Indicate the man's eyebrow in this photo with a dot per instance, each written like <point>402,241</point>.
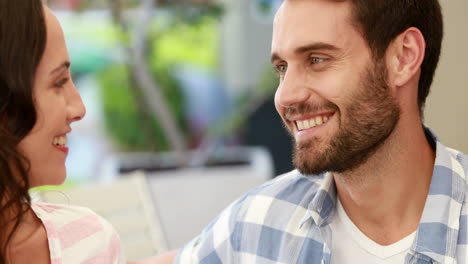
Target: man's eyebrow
<point>64,65</point>
<point>307,48</point>
<point>275,57</point>
<point>315,47</point>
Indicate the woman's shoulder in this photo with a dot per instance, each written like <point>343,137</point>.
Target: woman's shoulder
<point>62,215</point>
<point>71,220</point>
<point>72,229</point>
<point>60,209</point>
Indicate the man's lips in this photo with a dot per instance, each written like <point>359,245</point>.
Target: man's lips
<point>313,121</point>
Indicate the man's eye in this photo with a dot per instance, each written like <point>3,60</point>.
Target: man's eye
<point>317,60</point>
<point>282,68</point>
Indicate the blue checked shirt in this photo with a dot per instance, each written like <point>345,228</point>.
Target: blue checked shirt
<point>287,220</point>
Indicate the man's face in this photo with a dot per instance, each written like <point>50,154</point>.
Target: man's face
<point>332,96</point>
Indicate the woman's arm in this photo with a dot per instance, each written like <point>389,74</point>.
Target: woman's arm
<point>166,258</point>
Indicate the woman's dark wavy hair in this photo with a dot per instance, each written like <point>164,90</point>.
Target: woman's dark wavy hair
<point>22,44</point>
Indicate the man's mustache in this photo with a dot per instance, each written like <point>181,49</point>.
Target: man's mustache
<point>309,108</point>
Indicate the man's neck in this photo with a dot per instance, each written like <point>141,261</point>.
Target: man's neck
<point>385,196</point>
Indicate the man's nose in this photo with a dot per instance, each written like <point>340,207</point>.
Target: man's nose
<point>292,89</point>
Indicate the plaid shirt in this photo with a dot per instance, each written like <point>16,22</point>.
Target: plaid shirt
<point>286,220</point>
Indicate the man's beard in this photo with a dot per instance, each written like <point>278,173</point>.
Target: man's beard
<point>371,117</point>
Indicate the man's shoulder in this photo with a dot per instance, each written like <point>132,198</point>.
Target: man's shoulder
<point>291,189</point>
<point>290,180</point>
<point>264,215</point>
<point>459,166</point>
<point>461,157</point>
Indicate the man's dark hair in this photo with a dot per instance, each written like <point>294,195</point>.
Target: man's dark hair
<point>381,21</point>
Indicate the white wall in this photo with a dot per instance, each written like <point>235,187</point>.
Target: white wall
<point>447,105</point>
<point>245,45</point>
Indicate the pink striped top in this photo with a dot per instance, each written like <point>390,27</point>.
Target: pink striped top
<point>78,235</point>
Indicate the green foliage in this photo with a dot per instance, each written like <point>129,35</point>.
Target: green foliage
<point>184,43</point>
<point>193,13</point>
<point>128,123</point>
<point>171,44</point>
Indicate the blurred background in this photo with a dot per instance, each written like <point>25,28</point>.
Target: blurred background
<point>180,114</point>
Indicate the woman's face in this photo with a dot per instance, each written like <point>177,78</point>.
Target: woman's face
<point>58,104</point>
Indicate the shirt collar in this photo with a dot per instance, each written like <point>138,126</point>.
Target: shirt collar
<point>437,233</point>
<point>438,229</point>
<point>322,207</point>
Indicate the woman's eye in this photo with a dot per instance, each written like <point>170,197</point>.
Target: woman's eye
<point>61,83</point>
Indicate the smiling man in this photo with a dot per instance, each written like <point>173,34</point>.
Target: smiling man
<point>372,185</point>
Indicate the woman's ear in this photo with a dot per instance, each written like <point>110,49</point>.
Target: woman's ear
<point>405,56</point>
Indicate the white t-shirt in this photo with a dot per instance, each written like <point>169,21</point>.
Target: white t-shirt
<point>350,245</point>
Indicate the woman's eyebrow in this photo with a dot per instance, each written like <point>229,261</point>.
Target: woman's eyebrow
<point>64,65</point>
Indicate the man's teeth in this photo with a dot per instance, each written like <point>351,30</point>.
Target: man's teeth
<point>60,141</point>
<point>313,122</point>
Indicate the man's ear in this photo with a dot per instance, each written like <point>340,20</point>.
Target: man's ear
<point>405,56</point>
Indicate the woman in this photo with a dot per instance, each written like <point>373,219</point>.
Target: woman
<point>38,103</point>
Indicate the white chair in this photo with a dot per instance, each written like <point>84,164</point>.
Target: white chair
<point>188,199</point>
<point>127,204</point>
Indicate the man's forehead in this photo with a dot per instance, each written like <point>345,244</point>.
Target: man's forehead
<point>304,22</point>
<point>311,8</point>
